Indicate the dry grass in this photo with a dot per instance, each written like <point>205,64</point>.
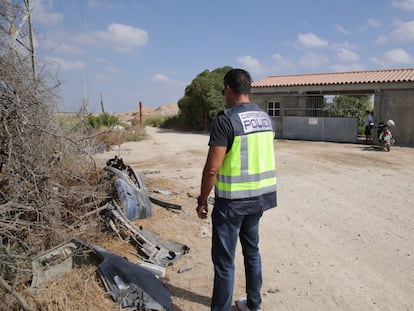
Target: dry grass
<point>80,289</point>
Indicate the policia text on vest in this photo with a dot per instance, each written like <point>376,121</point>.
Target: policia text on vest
<point>255,120</point>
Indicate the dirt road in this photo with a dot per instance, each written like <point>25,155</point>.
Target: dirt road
<point>342,237</point>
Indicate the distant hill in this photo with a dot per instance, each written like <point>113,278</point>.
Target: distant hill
<point>164,110</point>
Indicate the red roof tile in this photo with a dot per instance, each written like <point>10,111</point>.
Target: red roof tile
<point>350,77</point>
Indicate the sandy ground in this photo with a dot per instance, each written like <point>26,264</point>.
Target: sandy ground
<point>341,238</point>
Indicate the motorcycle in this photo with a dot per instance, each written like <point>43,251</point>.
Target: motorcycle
<point>385,138</point>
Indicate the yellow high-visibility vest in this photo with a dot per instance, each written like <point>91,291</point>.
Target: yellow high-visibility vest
<point>249,168</point>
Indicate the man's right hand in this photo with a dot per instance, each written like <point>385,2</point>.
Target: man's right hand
<point>202,211</point>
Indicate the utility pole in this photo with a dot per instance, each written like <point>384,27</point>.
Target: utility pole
<point>14,32</point>
<point>84,107</point>
<point>140,115</point>
<point>102,105</point>
<point>31,38</point>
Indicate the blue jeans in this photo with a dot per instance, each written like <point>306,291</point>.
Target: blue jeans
<point>227,226</point>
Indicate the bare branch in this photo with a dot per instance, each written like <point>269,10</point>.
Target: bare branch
<point>19,298</point>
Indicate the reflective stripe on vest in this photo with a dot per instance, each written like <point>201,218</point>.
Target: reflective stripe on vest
<point>245,173</point>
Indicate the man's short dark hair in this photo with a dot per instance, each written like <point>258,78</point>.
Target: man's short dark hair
<point>239,81</point>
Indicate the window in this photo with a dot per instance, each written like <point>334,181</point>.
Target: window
<point>314,106</point>
<point>273,109</point>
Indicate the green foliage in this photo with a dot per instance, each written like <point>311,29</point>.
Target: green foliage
<point>14,258</point>
<point>202,99</point>
<point>69,121</point>
<point>134,136</point>
<point>174,122</point>
<point>155,121</point>
<point>103,119</point>
<point>350,106</point>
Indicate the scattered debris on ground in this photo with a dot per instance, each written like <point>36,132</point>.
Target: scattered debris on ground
<point>136,286</point>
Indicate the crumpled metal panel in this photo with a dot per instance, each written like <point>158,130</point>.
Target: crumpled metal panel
<point>149,245</point>
<point>131,285</point>
<point>128,284</point>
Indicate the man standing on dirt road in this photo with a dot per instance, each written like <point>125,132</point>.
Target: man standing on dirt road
<point>241,166</point>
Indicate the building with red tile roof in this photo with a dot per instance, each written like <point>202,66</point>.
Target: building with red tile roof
<point>289,97</point>
<point>339,78</point>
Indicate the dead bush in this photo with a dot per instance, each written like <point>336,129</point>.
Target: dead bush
<point>48,178</point>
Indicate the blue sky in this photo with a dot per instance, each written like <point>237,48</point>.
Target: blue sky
<point>150,50</point>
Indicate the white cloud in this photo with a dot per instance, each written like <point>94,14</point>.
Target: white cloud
<point>248,61</point>
<point>344,45</point>
<point>373,22</point>
<point>112,69</point>
<point>314,60</point>
<point>43,15</point>
<point>310,40</point>
<point>102,77</point>
<point>101,60</point>
<point>160,77</point>
<point>59,42</point>
<point>122,37</point>
<point>282,62</point>
<point>405,31</point>
<point>347,67</point>
<point>394,57</point>
<point>398,56</point>
<point>403,4</point>
<point>69,49</point>
<point>342,29</point>
<point>347,55</point>
<point>66,65</point>
<point>251,64</point>
<point>382,40</point>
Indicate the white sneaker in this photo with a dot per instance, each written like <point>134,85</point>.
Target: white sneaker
<point>241,305</point>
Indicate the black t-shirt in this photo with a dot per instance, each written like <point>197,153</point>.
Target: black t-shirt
<point>222,133</point>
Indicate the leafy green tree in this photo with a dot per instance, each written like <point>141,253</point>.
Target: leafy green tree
<point>350,106</point>
<point>203,99</point>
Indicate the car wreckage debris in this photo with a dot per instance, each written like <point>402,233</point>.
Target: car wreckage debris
<point>135,203</point>
<point>165,204</point>
<point>128,284</point>
<point>130,188</point>
<point>132,285</point>
<point>132,194</point>
<point>135,286</point>
<point>153,249</point>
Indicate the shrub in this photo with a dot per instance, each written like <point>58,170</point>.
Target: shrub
<point>155,121</point>
<point>103,119</point>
